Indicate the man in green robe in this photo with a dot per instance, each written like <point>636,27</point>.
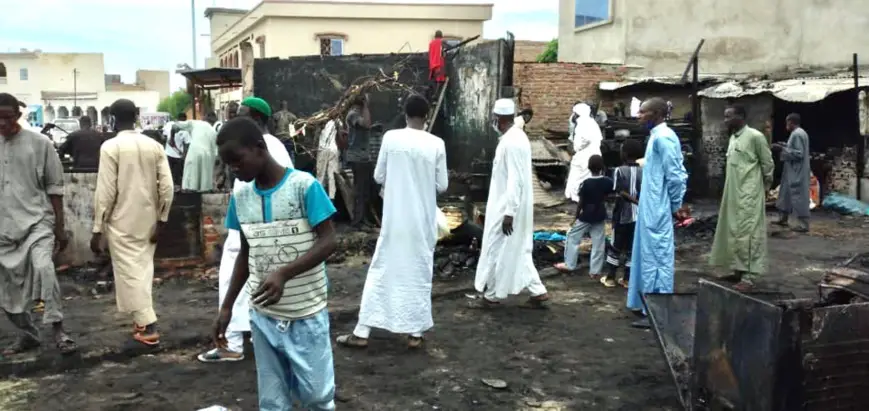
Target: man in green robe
<point>740,238</point>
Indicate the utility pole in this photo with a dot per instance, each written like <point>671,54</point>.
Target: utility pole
<point>193,29</point>
<point>74,88</point>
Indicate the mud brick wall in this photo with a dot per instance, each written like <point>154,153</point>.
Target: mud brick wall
<point>528,51</point>
<point>552,89</point>
<point>843,175</point>
<point>716,137</point>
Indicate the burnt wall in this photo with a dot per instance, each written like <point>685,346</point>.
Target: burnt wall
<point>476,74</point>
<point>309,82</point>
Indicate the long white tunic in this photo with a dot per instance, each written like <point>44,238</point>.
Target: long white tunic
<point>412,167</point>
<point>586,143</point>
<point>240,321</point>
<point>505,265</point>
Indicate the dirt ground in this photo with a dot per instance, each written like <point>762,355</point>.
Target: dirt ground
<point>578,355</point>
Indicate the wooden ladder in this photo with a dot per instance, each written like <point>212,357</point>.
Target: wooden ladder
<point>432,115</point>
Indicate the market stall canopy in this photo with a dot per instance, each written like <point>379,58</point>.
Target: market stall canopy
<point>800,90</point>
<point>213,78</point>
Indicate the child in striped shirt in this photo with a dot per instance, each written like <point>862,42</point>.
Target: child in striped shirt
<point>284,218</point>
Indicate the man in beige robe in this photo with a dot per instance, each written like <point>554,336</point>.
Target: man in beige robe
<point>132,201</point>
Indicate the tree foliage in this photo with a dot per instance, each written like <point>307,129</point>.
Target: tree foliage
<point>177,103</point>
<point>550,55</point>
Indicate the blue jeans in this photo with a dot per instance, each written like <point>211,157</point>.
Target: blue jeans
<point>293,359</point>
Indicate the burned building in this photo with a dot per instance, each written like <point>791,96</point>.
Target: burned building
<point>829,107</point>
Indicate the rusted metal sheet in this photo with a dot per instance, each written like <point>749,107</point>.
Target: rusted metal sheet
<point>737,349</point>
<point>673,317</point>
<point>835,359</point>
<point>182,236</point>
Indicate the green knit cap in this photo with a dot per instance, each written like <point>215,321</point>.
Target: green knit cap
<point>258,104</point>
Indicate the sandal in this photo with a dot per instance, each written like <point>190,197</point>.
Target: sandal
<point>22,345</point>
<point>38,306</point>
<point>352,341</point>
<point>537,303</point>
<point>562,268</point>
<point>220,355</point>
<point>744,286</point>
<point>66,345</point>
<point>624,283</point>
<point>483,303</point>
<point>414,342</point>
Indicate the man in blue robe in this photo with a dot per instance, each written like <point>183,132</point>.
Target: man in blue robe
<point>664,183</point>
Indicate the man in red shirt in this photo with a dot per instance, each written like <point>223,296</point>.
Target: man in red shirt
<point>436,65</point>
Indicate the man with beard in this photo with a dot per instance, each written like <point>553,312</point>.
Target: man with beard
<point>740,237</point>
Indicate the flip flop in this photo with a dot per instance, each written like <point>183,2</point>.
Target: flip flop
<point>66,345</point>
<point>483,304</point>
<point>414,342</point>
<point>537,303</point>
<point>352,341</point>
<point>220,355</point>
<point>22,345</point>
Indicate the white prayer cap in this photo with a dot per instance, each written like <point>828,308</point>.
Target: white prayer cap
<point>577,109</point>
<point>504,107</point>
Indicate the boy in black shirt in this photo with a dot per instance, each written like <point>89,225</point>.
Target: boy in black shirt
<point>628,179</point>
<point>591,218</point>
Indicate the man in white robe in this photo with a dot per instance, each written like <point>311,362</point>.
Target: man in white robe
<point>586,139</point>
<point>258,110</point>
<point>506,266</point>
<point>328,162</point>
<point>412,168</point>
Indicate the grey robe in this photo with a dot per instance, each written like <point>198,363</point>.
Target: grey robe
<point>793,197</point>
<point>30,171</point>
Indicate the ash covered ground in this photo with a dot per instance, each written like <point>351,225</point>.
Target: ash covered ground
<point>578,355</point>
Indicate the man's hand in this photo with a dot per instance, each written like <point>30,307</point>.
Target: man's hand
<point>682,213</point>
<point>96,243</point>
<point>271,290</point>
<point>60,240</point>
<point>218,330</point>
<point>157,230</point>
<point>507,225</point>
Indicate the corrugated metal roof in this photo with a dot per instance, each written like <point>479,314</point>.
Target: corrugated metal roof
<point>799,90</point>
<point>669,80</point>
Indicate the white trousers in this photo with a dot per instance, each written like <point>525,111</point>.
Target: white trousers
<point>240,310</point>
<point>536,289</point>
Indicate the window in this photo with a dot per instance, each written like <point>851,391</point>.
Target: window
<point>331,46</point>
<point>587,12</point>
<point>2,73</point>
<point>22,74</point>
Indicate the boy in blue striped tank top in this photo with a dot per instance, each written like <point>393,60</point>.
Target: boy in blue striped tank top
<point>284,218</point>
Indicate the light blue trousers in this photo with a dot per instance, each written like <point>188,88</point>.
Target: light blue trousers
<point>293,360</point>
<point>598,245</point>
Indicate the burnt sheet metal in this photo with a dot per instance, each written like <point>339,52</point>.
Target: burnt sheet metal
<point>477,72</point>
<point>181,237</point>
<point>738,348</point>
<point>836,359</point>
<point>306,83</point>
<point>672,317</point>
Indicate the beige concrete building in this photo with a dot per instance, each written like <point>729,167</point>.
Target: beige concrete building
<point>286,28</point>
<point>659,37</point>
<point>74,84</point>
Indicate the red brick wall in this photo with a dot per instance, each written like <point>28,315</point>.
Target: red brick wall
<point>551,90</point>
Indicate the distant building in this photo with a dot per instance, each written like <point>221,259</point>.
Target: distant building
<point>281,28</point>
<point>63,85</point>
<point>658,38</point>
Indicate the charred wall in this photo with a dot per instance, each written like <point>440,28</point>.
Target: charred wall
<point>309,82</point>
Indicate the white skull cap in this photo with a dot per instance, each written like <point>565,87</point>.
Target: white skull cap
<point>504,107</point>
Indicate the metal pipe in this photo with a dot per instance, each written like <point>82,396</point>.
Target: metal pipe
<point>193,29</point>
<point>861,140</point>
<point>74,88</point>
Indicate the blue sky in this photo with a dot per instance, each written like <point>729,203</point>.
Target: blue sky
<point>156,34</point>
